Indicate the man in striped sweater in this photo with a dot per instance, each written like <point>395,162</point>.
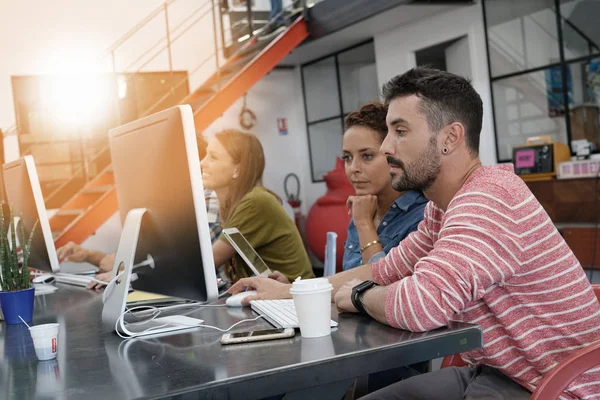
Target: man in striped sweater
<point>486,253</point>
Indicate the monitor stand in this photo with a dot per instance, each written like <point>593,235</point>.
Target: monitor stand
<point>115,297</point>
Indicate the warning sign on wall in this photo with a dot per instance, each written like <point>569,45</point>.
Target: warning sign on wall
<point>282,126</point>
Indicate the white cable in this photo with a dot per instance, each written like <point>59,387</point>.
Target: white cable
<point>158,312</point>
<point>232,326</point>
<point>99,281</point>
<point>142,313</point>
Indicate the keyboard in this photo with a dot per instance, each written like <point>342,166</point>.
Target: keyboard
<point>77,280</point>
<point>280,313</point>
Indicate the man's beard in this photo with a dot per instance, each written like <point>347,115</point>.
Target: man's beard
<point>419,175</point>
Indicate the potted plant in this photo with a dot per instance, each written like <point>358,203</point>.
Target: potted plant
<point>16,293</point>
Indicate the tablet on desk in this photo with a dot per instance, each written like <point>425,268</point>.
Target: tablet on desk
<point>246,251</point>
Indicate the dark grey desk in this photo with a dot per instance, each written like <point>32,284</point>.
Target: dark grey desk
<point>93,363</point>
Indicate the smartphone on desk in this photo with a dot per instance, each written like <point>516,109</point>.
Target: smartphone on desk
<point>256,336</point>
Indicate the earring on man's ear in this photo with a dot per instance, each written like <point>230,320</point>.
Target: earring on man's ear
<point>445,150</point>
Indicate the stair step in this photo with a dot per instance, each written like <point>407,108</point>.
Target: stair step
<point>216,85</point>
<point>97,189</point>
<point>73,212</point>
<point>196,100</point>
<point>238,64</point>
<point>254,47</point>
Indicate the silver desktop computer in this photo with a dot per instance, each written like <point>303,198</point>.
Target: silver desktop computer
<point>162,206</point>
<point>24,194</point>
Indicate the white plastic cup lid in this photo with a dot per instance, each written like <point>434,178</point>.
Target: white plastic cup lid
<point>315,285</point>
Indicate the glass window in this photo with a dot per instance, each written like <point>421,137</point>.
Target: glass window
<point>356,72</point>
<point>325,146</point>
<point>528,105</point>
<point>521,35</point>
<point>585,122</point>
<point>358,76</point>
<point>581,32</point>
<point>321,90</point>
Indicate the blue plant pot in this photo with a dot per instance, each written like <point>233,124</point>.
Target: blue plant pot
<point>15,304</point>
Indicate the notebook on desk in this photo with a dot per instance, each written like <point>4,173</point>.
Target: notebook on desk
<point>140,298</point>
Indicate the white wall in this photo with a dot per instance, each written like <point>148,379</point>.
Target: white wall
<point>278,95</point>
<point>458,58</point>
<point>395,54</point>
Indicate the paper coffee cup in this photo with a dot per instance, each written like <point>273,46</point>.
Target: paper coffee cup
<point>45,340</point>
<point>312,300</point>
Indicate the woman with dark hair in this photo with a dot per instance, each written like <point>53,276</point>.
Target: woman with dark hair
<point>233,168</point>
<point>381,217</point>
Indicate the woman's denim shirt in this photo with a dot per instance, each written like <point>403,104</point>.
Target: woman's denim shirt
<point>402,218</point>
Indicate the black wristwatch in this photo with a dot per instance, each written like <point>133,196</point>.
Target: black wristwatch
<point>357,291</point>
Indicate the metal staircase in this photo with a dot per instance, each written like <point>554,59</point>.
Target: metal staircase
<point>91,206</point>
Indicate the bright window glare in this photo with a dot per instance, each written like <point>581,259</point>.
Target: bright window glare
<point>77,99</point>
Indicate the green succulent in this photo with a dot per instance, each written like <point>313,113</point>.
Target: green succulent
<point>14,277</point>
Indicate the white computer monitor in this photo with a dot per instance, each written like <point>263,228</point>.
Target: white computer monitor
<point>24,194</point>
<point>157,168</point>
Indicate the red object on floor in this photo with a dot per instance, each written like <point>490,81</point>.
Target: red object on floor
<point>330,214</point>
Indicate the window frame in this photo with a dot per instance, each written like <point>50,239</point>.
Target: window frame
<point>341,116</point>
<point>563,63</point>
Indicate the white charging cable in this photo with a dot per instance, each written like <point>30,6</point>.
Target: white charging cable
<point>158,311</point>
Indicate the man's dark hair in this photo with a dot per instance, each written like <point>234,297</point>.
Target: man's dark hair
<point>445,98</point>
<point>371,115</point>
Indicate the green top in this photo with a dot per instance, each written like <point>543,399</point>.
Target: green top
<point>264,223</point>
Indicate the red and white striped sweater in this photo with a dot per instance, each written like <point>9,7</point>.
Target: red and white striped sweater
<point>495,259</point>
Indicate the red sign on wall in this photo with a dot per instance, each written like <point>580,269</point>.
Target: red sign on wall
<point>282,126</point>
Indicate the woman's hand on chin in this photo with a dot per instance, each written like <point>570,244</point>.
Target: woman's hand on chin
<point>362,208</point>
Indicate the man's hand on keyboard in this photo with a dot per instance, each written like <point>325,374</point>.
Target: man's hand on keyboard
<point>266,289</point>
<point>279,277</point>
<point>105,276</point>
<point>72,252</point>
